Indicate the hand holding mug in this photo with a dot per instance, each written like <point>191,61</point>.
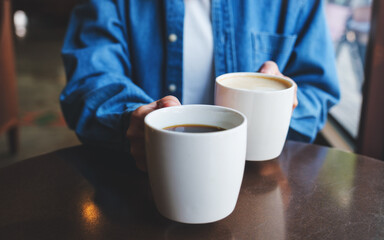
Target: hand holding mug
<point>135,132</point>
<point>271,68</point>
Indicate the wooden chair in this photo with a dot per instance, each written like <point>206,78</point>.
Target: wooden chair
<point>8,91</point>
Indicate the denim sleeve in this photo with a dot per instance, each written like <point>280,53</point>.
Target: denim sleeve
<point>100,93</point>
<point>312,66</point>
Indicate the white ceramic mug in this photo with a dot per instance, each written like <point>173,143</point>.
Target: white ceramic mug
<point>266,101</point>
<point>195,177</point>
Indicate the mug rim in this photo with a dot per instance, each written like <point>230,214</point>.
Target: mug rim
<point>206,106</point>
<point>255,74</point>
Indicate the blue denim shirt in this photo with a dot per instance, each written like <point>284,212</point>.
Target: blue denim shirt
<point>118,56</point>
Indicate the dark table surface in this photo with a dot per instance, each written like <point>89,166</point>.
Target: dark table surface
<point>309,192</point>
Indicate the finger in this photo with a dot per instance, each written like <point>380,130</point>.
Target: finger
<point>143,111</point>
<point>168,101</point>
<point>140,113</point>
<point>295,103</point>
<point>295,100</point>
<point>137,117</point>
<point>270,67</point>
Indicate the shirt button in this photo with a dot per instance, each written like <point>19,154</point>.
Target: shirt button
<point>172,37</point>
<point>172,87</point>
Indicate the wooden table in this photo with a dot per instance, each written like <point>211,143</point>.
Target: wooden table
<point>309,192</point>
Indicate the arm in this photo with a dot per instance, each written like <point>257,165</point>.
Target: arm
<point>101,94</point>
<point>312,66</point>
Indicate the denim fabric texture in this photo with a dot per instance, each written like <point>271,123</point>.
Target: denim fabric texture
<point>119,55</point>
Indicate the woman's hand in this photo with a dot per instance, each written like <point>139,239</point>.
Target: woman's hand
<point>271,68</point>
<point>135,132</point>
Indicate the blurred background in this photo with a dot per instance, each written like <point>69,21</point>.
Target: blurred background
<point>349,24</point>
<point>36,31</point>
<point>38,28</point>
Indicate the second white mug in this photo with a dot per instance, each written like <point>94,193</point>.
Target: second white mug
<point>266,101</point>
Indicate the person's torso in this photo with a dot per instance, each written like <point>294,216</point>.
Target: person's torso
<point>245,35</point>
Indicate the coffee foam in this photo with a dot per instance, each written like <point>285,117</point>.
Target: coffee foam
<point>255,83</point>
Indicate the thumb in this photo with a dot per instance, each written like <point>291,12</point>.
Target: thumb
<point>270,67</point>
<point>168,101</point>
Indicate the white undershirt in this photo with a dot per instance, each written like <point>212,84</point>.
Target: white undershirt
<point>198,82</point>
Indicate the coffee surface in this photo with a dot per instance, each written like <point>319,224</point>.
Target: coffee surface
<point>194,128</point>
<point>255,83</point>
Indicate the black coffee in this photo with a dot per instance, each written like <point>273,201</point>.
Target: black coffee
<point>194,128</point>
